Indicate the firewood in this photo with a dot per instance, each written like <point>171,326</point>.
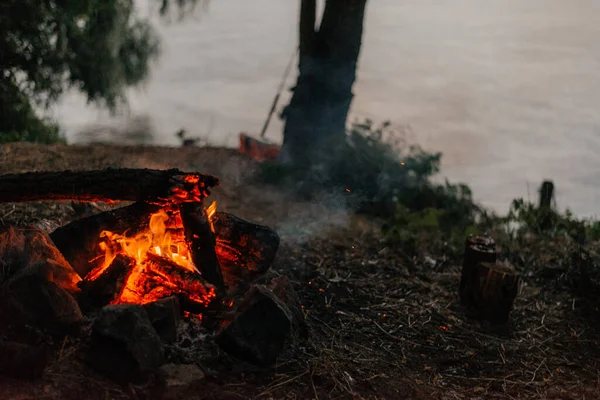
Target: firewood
<point>201,243</point>
<point>163,278</point>
<point>78,240</point>
<point>495,292</point>
<point>245,250</point>
<point>108,285</point>
<point>21,360</point>
<point>108,185</point>
<point>477,249</point>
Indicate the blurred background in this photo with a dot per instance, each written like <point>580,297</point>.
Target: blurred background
<point>507,90</point>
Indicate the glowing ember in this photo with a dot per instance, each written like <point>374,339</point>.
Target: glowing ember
<point>163,266</point>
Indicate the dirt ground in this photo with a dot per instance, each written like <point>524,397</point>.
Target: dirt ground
<point>382,325</point>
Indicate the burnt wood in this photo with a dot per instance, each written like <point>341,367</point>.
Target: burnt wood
<point>108,285</point>
<point>78,240</point>
<point>201,243</point>
<point>245,250</point>
<point>108,185</point>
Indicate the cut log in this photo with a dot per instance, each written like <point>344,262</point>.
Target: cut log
<point>201,243</point>
<point>21,360</point>
<point>494,293</point>
<point>245,250</point>
<point>108,185</point>
<point>109,285</point>
<point>78,240</point>
<point>477,249</point>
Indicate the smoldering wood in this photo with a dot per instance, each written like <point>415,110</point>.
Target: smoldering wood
<point>201,243</point>
<point>245,250</point>
<point>165,278</point>
<point>22,361</point>
<point>108,285</point>
<point>108,185</point>
<point>477,249</point>
<point>78,240</point>
<point>495,291</point>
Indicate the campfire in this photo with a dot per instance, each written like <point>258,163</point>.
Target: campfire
<point>164,256</point>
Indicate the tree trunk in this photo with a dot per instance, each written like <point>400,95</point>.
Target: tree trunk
<point>316,115</point>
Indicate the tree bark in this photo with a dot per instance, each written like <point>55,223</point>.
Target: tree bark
<point>108,185</point>
<point>317,113</point>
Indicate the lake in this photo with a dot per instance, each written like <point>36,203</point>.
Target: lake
<point>508,90</point>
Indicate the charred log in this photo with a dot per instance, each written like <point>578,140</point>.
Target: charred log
<point>21,360</point>
<point>78,241</point>
<point>108,185</point>
<point>494,292</point>
<point>245,250</point>
<point>201,243</point>
<point>108,285</point>
<point>477,249</point>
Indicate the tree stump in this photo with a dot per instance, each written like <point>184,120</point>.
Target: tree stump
<point>477,249</point>
<point>494,293</point>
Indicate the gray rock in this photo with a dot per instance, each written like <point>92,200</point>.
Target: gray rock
<point>125,346</point>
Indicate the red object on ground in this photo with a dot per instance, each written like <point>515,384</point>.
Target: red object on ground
<point>256,149</point>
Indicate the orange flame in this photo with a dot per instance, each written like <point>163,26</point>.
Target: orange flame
<point>163,238</point>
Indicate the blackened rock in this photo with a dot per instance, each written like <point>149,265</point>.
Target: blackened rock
<point>30,299</point>
<point>164,315</point>
<point>259,329</point>
<point>125,346</point>
<point>22,361</point>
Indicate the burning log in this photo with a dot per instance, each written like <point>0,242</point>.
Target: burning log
<point>245,250</point>
<point>78,240</point>
<point>108,285</point>
<point>477,249</point>
<point>21,360</point>
<point>201,243</point>
<point>496,289</point>
<point>108,185</point>
<point>162,278</point>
